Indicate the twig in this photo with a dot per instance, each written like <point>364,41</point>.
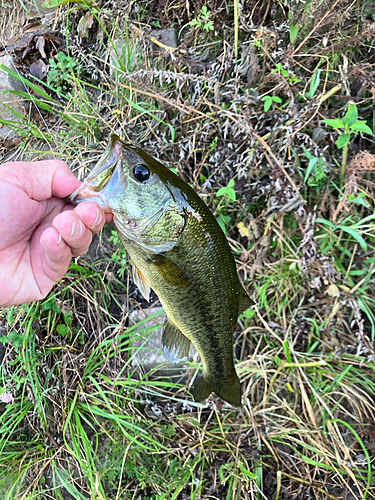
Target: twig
<point>164,99</point>
<point>315,27</point>
<point>154,40</point>
<point>266,146</point>
<point>235,6</point>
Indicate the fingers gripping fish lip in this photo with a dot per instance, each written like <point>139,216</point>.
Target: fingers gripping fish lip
<point>105,181</point>
<point>86,193</point>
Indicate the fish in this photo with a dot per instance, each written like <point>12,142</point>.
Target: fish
<point>178,249</point>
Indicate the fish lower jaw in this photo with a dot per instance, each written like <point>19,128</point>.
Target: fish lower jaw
<point>131,224</point>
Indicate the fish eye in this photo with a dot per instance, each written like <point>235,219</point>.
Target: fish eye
<point>141,172</point>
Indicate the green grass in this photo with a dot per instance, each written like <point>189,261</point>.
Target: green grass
<point>86,419</point>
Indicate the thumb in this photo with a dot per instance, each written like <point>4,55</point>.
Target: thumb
<point>40,179</point>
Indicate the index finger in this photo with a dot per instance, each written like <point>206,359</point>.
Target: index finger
<point>40,179</point>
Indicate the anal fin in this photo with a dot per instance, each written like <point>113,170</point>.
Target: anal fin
<point>176,347</point>
<point>141,283</point>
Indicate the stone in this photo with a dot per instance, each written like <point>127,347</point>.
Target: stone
<point>8,83</point>
<point>34,7</point>
<point>167,37</point>
<point>147,350</point>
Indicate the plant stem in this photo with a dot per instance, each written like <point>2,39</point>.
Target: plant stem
<point>343,164</point>
<point>235,28</point>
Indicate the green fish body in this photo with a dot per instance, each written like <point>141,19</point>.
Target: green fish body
<point>178,249</point>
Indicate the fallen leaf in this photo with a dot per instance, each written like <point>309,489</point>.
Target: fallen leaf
<point>10,143</point>
<point>40,46</point>
<point>84,25</point>
<point>38,69</point>
<point>243,230</point>
<point>332,290</point>
<point>31,27</point>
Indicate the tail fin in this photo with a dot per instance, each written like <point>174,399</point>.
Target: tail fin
<point>231,393</point>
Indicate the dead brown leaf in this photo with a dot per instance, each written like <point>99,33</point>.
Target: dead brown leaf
<point>39,69</point>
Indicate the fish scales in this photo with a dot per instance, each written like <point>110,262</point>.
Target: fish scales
<point>206,303</point>
<point>177,249</point>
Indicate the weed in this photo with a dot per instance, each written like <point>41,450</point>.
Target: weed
<point>291,79</point>
<point>202,20</point>
<point>228,191</point>
<point>269,100</point>
<point>59,75</point>
<point>316,168</point>
<point>351,126</point>
<point>120,256</point>
<point>80,415</point>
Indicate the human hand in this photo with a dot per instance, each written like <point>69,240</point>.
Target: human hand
<point>39,231</point>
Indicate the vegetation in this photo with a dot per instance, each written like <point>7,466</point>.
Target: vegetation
<point>265,108</point>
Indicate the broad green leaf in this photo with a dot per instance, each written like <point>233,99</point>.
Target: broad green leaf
<point>314,84</point>
<point>222,220</point>
<point>16,339</point>
<point>361,126</point>
<point>221,191</point>
<point>62,329</point>
<point>276,99</point>
<point>52,4</point>
<point>267,104</point>
<point>312,162</point>
<point>231,183</point>
<point>343,139</point>
<point>279,67</point>
<point>326,222</point>
<point>232,194</point>
<point>337,123</point>
<point>355,235</point>
<point>351,116</point>
<point>359,200</point>
<point>249,313</point>
<point>293,33</point>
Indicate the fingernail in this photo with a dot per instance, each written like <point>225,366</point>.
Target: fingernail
<point>99,218</point>
<point>60,242</point>
<point>77,228</point>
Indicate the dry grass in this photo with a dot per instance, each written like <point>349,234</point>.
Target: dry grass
<point>84,421</point>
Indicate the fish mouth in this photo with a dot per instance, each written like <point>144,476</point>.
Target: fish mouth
<point>105,180</point>
<point>104,183</point>
<point>133,228</point>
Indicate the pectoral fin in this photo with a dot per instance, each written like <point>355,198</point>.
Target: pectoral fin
<point>176,347</point>
<point>141,283</point>
<point>169,270</point>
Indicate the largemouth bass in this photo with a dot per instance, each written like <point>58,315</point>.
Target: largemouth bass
<point>178,249</point>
